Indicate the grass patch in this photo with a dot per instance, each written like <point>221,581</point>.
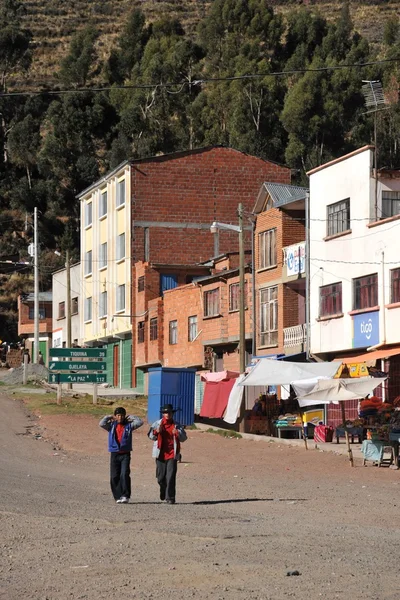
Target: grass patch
<point>224,433</point>
<point>46,404</point>
<point>194,426</point>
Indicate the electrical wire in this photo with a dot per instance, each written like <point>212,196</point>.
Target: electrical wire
<point>248,76</point>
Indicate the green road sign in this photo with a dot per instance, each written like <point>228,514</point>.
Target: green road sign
<point>66,365</point>
<point>77,378</point>
<point>77,353</point>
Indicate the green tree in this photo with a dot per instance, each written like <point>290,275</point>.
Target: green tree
<point>124,60</point>
<point>77,67</point>
<point>15,55</point>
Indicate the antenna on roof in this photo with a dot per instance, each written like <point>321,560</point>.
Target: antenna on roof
<point>374,98</point>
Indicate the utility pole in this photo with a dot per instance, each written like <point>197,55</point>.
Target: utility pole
<point>68,267</point>
<point>242,333</point>
<point>35,358</point>
<point>242,324</point>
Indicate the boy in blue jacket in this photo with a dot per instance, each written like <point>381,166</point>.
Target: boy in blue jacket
<point>120,428</point>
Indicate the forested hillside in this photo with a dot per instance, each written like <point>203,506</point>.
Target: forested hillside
<point>284,86</point>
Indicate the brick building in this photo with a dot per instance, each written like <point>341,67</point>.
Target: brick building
<point>157,211</point>
<point>26,322</point>
<point>280,269</point>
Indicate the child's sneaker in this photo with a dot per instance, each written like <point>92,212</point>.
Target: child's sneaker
<point>124,500</point>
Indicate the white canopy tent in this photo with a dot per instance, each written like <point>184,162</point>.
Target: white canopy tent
<point>333,391</point>
<point>276,372</point>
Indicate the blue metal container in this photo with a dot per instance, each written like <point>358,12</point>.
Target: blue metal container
<point>171,386</point>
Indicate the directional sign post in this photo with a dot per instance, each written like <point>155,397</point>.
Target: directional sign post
<point>85,378</point>
<point>64,365</point>
<point>77,365</point>
<point>78,353</point>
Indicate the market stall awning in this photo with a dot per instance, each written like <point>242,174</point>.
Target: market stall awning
<point>333,391</point>
<point>274,372</point>
<point>370,356</point>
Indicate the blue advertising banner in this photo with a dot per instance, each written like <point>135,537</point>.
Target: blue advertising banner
<point>366,329</point>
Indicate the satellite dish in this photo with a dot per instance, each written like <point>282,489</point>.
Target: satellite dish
<point>31,250</point>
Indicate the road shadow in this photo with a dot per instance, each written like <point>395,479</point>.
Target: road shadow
<point>237,500</point>
<point>229,501</point>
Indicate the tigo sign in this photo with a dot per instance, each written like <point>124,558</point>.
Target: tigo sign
<point>295,259</point>
<point>366,329</point>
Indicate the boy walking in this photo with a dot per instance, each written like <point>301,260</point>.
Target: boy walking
<point>167,436</point>
<point>120,428</point>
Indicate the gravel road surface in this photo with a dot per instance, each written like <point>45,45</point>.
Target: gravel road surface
<point>247,514</point>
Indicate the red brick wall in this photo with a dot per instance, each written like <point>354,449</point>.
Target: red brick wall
<point>180,304</point>
<point>26,325</point>
<point>197,187</point>
<point>290,230</point>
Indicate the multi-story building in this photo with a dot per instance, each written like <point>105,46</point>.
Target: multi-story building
<point>158,211</point>
<point>279,262</point>
<point>355,263</point>
<point>26,322</point>
<point>60,317</point>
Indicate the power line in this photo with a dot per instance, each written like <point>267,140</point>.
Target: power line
<point>197,82</point>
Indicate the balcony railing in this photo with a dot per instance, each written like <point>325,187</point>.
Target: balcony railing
<point>294,336</point>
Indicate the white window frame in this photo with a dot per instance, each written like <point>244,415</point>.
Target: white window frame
<point>269,316</point>
<point>103,305</point>
<point>192,328</point>
<point>103,201</point>
<point>88,310</point>
<point>120,186</point>
<point>88,214</point>
<point>120,295</point>
<point>267,253</point>
<point>173,332</point>
<point>121,246</point>
<point>211,301</point>
<point>103,256</point>
<point>88,262</point>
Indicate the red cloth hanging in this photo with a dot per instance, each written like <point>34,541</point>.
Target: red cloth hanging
<point>216,395</point>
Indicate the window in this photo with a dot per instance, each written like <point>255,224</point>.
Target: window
<point>395,285</point>
<point>153,329</point>
<point>61,310</point>
<point>140,284</point>
<point>103,255</point>
<point>192,328</point>
<point>88,214</point>
<point>121,246</point>
<point>330,300</point>
<point>88,309</point>
<point>120,297</point>
<point>269,316</point>
<point>103,204</point>
<point>267,248</point>
<point>74,306</point>
<point>88,262</point>
<point>365,292</point>
<point>121,192</point>
<point>140,332</point>
<point>211,303</point>
<point>338,217</point>
<point>103,305</point>
<point>390,204</point>
<point>234,296</point>
<point>42,313</point>
<point>173,332</point>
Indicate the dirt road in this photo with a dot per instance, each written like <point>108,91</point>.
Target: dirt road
<point>247,513</point>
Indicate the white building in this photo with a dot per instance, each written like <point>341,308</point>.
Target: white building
<point>60,306</point>
<point>355,259</point>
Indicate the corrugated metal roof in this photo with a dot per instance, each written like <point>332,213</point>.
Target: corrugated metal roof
<point>283,194</point>
<point>43,297</point>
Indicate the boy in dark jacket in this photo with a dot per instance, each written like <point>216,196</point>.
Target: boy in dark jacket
<point>120,428</point>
